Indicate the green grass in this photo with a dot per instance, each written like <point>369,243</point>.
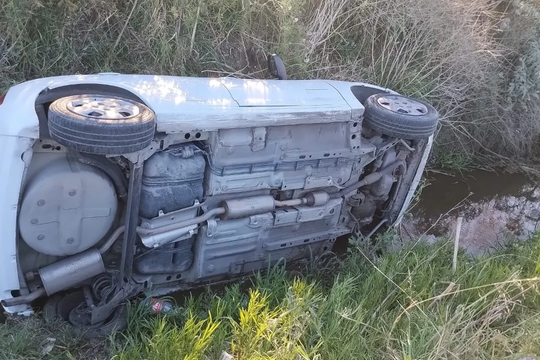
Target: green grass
<point>406,304</point>
<point>30,338</point>
<point>395,306</point>
<point>454,161</point>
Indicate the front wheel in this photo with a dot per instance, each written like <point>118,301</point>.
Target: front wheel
<point>400,116</point>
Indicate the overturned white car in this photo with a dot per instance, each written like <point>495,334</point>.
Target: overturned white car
<point>113,185</point>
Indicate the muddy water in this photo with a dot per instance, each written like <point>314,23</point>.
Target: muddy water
<point>495,208</point>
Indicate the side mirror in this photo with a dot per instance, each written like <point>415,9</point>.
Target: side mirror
<point>276,67</point>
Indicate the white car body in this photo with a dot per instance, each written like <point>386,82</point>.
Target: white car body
<point>181,104</point>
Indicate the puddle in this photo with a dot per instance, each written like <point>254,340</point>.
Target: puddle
<point>494,207</point>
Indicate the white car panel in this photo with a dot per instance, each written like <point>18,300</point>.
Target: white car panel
<point>11,164</point>
<point>181,104</point>
<point>186,104</point>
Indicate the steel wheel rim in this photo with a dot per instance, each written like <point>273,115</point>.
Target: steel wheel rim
<point>402,105</point>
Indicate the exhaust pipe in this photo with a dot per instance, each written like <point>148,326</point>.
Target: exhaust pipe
<point>25,299</point>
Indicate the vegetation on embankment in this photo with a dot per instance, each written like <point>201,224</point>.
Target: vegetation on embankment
<point>478,61</point>
<point>405,304</point>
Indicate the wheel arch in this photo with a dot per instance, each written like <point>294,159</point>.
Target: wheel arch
<point>362,91</point>
<point>48,95</point>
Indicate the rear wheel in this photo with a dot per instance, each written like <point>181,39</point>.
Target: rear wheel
<point>101,125</point>
<point>72,309</point>
<point>400,116</point>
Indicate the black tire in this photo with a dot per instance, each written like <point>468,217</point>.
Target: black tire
<point>400,116</point>
<point>58,308</point>
<point>131,130</point>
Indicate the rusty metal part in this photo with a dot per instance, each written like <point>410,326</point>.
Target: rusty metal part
<point>368,179</point>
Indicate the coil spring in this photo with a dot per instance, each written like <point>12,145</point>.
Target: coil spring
<point>101,286</point>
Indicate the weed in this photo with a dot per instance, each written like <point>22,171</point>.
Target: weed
<point>30,338</point>
<point>474,60</point>
<point>405,304</point>
<point>164,338</point>
<point>454,161</point>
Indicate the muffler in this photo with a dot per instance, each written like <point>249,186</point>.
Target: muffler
<point>64,274</point>
<point>71,271</point>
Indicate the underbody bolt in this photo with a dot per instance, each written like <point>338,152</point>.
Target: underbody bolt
<point>70,240</point>
<point>29,276</point>
<point>211,268</point>
<point>41,202</point>
<point>72,193</point>
<point>34,221</point>
<point>41,237</point>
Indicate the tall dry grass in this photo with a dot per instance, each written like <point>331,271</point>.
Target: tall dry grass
<point>476,60</point>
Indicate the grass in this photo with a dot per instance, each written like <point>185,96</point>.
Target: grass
<point>406,304</point>
<point>455,161</point>
<point>403,305</point>
<point>31,338</point>
<point>475,60</point>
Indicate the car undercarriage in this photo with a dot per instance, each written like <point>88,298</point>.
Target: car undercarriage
<point>128,184</point>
